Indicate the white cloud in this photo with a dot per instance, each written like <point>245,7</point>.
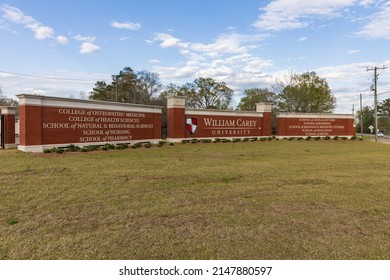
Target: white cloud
<point>225,43</point>
<point>291,14</point>
<point>126,25</point>
<point>353,52</point>
<point>15,15</point>
<point>154,61</point>
<point>78,37</point>
<point>89,48</point>
<point>41,32</point>
<point>379,25</point>
<point>303,39</point>
<point>62,40</point>
<point>168,41</point>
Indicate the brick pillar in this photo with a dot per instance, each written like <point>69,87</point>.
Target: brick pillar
<point>30,129</point>
<point>9,126</point>
<point>176,117</point>
<point>266,109</point>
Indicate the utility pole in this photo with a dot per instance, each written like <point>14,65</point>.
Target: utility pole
<point>375,69</point>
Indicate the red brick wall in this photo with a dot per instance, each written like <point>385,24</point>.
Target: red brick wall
<point>30,124</point>
<point>225,126</point>
<point>9,129</point>
<point>176,122</point>
<point>315,126</point>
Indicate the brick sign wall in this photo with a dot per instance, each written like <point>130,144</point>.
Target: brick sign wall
<point>315,125</point>
<point>195,123</point>
<point>49,121</point>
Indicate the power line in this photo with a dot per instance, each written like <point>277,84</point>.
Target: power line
<point>46,77</point>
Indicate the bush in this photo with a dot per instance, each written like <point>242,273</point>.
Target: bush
<point>148,145</point>
<point>47,151</point>
<point>317,138</point>
<point>171,144</point>
<point>92,147</point>
<point>83,149</point>
<point>238,140</point>
<point>136,145</point>
<point>60,151</point>
<point>122,146</point>
<point>308,138</point>
<point>269,138</point>
<point>72,148</point>
<point>336,138</point>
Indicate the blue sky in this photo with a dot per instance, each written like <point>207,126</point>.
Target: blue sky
<point>61,48</point>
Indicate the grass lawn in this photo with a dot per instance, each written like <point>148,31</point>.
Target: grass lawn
<point>261,200</point>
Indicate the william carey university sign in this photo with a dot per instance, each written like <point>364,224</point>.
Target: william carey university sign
<point>47,122</point>
<point>197,123</point>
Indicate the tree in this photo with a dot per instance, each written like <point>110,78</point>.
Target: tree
<point>253,96</point>
<point>3,97</point>
<point>368,119</point>
<point>306,93</point>
<point>206,93</point>
<point>384,107</point>
<point>5,101</point>
<point>129,87</point>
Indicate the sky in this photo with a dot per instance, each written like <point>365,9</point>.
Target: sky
<point>62,48</point>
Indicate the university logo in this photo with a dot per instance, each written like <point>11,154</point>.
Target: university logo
<point>191,124</point>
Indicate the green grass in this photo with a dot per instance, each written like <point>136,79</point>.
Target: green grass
<point>261,200</point>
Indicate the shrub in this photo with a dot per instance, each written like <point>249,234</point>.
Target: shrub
<point>317,138</point>
<point>72,148</point>
<point>171,144</point>
<point>60,151</point>
<point>122,146</point>
<point>92,147</point>
<point>109,146</point>
<point>148,145</point>
<point>238,140</point>
<point>162,142</point>
<point>336,138</point>
<point>308,138</point>
<point>353,138</point>
<point>83,149</point>
<point>344,138</point>
<point>194,141</point>
<point>47,151</point>
<point>136,145</point>
<point>269,138</point>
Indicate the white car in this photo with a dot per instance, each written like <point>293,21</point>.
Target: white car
<point>380,134</point>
